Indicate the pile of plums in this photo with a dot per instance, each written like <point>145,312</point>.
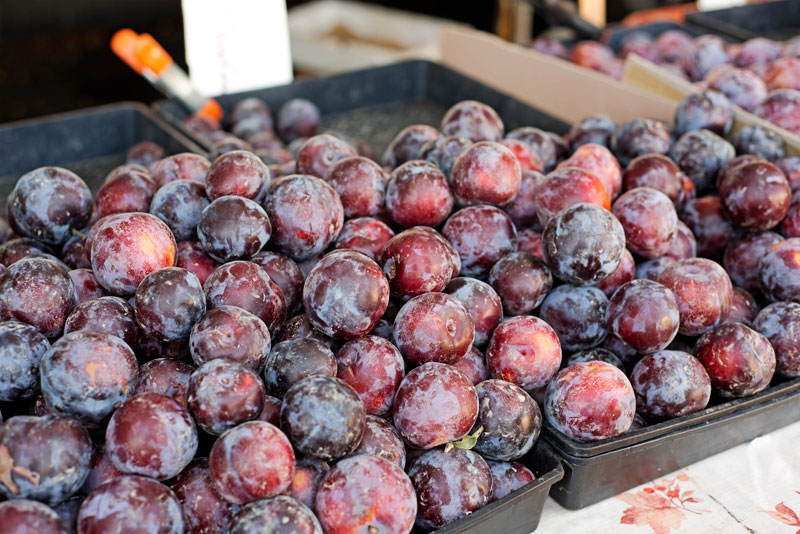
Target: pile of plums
<point>759,75</point>
<point>335,344</point>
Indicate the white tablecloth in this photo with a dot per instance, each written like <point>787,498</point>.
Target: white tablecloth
<point>753,488</point>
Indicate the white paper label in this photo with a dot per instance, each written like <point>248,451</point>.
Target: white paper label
<point>236,45</point>
<point>710,5</point>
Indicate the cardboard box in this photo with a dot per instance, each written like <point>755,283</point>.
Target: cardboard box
<point>558,87</point>
<point>642,74</point>
<point>329,36</point>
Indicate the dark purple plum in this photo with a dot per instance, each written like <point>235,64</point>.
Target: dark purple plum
<point>318,153</point>
<point>361,185</point>
<point>644,314</point>
<point>295,359</point>
<point>345,294</point>
<point>286,274</point>
<point>306,215</point>
<point>382,440</point>
<point>739,360</point>
<point>418,261</point>
<point>39,292</point>
<point>323,417</point>
<point>481,235</point>
<point>126,247</point>
<point>541,142</point>
<point>433,327</point>
<point>669,384</point>
<point>705,217</point>
<point>508,477</point>
<point>756,196</point>
<point>281,514</point>
<point>232,334</point>
<point>204,509</point>
<point>703,292</point>
<point>779,271</point>
<point>524,351</point>
<point>87,375</point>
<point>443,152</point>
<point>449,486</point>
<point>222,394</point>
<point>596,354</point>
<point>584,243</point>
<point>232,228</point>
<point>648,219</point>
<point>435,404</point>
<point>510,419</point>
<point>701,154</point>
<point>760,142</point>
<point>366,494</point>
<point>86,285</point>
<point>165,376</point>
<point>180,205</point>
<point>109,315</point>
<point>374,368</point>
<point>473,120</point>
<point>237,173</point>
<point>193,257</point>
<point>126,192</point>
<point>365,235</point>
<point>144,153</point>
<point>168,303</point>
<point>43,458</point>
<point>185,166</point>
<point>522,281</point>
<point>590,401</point>
<point>298,118</point>
<point>486,173</point>
<point>780,324</point>
<point>710,110</point>
<point>248,286</point>
<point>141,505</point>
<point>48,203</point>
<point>407,144</point>
<point>577,314</point>
<point>151,435</point>
<point>638,137</point>
<point>473,365</point>
<point>307,476</point>
<point>22,516</point>
<point>482,303</point>
<point>251,461</point>
<point>21,349</point>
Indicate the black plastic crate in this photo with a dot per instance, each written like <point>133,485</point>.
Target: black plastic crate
<point>779,20</point>
<point>599,470</point>
<point>89,142</point>
<point>518,512</point>
<point>375,104</point>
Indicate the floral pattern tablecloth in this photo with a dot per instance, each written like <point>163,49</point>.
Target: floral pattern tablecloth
<point>751,489</point>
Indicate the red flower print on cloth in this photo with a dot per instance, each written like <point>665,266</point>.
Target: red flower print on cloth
<point>784,514</point>
<point>661,506</point>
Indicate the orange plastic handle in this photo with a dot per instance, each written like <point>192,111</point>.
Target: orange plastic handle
<point>211,109</point>
<point>140,52</point>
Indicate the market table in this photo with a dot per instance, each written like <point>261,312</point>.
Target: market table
<point>751,489</point>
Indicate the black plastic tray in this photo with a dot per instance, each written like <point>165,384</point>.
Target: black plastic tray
<point>89,142</point>
<point>777,20</point>
<point>374,104</point>
<point>518,512</point>
<point>596,471</point>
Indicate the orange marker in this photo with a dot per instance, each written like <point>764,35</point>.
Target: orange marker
<point>143,54</point>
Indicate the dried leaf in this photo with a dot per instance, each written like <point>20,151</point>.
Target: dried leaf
<point>6,468</point>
